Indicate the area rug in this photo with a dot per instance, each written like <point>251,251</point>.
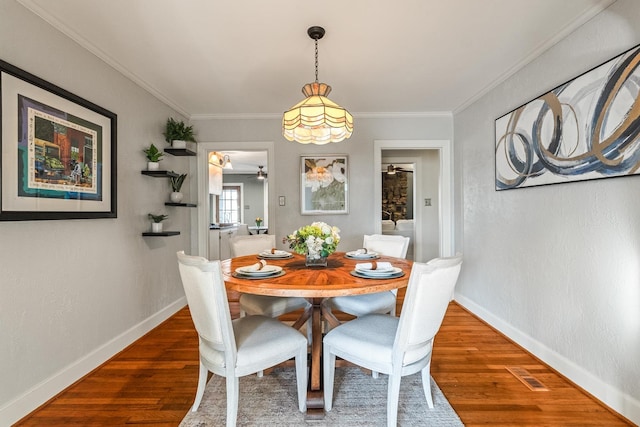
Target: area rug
<point>359,400</point>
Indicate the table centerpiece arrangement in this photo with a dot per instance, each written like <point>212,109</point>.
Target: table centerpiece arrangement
<point>316,241</point>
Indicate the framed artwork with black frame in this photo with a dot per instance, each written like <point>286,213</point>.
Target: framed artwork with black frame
<point>324,184</point>
<point>58,152</point>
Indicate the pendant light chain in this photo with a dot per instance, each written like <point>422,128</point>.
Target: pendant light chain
<point>316,60</point>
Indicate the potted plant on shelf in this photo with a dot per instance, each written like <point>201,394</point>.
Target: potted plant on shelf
<point>176,184</point>
<point>156,222</point>
<point>177,133</point>
<point>153,157</point>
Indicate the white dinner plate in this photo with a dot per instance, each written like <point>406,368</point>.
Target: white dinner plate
<point>277,254</point>
<point>387,276</point>
<point>360,255</point>
<point>267,270</point>
<point>379,273</point>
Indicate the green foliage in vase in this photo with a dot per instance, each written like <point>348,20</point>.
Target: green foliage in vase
<point>177,181</point>
<point>157,218</point>
<point>153,154</point>
<point>178,130</point>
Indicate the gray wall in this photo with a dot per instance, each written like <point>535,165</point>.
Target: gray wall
<point>284,178</point>
<point>74,292</point>
<point>556,267</point>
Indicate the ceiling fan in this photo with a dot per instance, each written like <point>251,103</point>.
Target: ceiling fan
<point>391,170</point>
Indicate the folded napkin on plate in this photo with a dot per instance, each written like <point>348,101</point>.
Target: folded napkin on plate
<point>257,266</point>
<point>378,266</point>
<point>359,251</point>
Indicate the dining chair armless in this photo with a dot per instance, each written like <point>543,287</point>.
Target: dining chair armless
<point>380,302</point>
<point>262,304</point>
<point>396,346</point>
<point>233,349</point>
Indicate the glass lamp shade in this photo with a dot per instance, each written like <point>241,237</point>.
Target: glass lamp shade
<point>316,119</point>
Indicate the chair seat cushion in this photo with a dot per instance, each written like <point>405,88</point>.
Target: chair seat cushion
<point>263,342</point>
<point>271,306</point>
<point>359,305</point>
<point>367,338</point>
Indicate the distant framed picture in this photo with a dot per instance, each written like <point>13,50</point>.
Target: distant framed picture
<point>587,128</point>
<point>58,152</point>
<point>324,184</point>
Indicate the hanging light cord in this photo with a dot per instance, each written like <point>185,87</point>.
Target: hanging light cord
<point>316,60</point>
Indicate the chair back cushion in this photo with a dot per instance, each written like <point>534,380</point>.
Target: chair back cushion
<point>207,298</point>
<point>389,245</point>
<point>253,244</point>
<point>428,294</point>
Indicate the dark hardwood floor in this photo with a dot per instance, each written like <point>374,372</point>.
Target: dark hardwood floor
<point>153,382</point>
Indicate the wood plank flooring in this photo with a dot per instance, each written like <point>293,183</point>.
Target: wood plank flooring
<point>153,382</point>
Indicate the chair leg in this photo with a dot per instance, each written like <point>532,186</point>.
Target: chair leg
<point>233,388</point>
<point>393,393</point>
<point>426,384</point>
<point>329,368</point>
<point>375,374</point>
<point>301,378</point>
<point>202,383</point>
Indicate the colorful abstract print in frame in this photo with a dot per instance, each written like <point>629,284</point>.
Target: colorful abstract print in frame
<point>587,128</point>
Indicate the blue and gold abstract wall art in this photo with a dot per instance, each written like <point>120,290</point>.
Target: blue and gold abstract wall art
<point>587,128</point>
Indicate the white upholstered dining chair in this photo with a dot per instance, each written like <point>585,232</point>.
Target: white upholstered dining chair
<point>233,349</point>
<point>380,302</point>
<point>262,304</point>
<point>397,346</point>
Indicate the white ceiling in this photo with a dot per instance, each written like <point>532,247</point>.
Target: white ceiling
<point>250,58</point>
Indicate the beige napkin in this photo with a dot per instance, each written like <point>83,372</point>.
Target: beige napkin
<point>257,266</point>
<point>378,266</point>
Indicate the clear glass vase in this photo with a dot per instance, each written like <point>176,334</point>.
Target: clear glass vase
<point>315,261</point>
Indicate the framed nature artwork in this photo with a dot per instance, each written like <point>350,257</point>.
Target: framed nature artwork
<point>58,152</point>
<point>324,184</point>
<point>587,128</point>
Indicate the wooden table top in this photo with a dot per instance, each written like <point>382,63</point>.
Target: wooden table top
<point>313,282</point>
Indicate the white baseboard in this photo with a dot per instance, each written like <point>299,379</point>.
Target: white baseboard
<point>624,404</point>
<point>40,393</point>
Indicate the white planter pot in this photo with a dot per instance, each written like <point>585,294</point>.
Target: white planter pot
<point>153,166</point>
<point>177,143</point>
<point>176,197</point>
<point>156,227</point>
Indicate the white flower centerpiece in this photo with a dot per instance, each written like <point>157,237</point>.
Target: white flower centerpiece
<point>316,241</point>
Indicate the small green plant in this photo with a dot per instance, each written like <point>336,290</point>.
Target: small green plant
<point>177,181</point>
<point>157,218</point>
<point>153,154</point>
<point>178,130</point>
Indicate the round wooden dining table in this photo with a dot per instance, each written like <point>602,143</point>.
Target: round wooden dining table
<point>316,284</point>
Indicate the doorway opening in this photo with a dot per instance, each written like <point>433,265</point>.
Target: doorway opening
<point>432,223</point>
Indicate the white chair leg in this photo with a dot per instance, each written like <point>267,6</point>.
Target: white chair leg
<point>375,374</point>
<point>426,384</point>
<point>202,383</point>
<point>259,374</point>
<point>393,393</point>
<point>301,379</point>
<point>233,388</point>
<point>329,368</point>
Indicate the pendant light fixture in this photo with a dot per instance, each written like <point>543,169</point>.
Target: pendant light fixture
<point>226,162</point>
<point>261,174</point>
<point>316,119</point>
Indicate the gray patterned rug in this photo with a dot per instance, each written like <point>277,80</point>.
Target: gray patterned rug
<point>359,400</point>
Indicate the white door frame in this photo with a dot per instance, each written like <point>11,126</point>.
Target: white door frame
<point>445,213</point>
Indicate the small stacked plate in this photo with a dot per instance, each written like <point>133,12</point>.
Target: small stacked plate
<point>360,254</point>
<point>254,272</point>
<point>382,272</point>
<point>275,254</point>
